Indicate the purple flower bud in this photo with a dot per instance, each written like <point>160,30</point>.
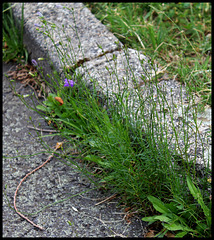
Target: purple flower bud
<point>38,13</point>
<point>36,25</point>
<point>68,83</point>
<point>34,62</point>
<point>59,6</point>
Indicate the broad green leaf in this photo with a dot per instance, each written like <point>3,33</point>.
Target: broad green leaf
<point>197,195</point>
<point>42,108</point>
<point>64,115</point>
<point>194,191</point>
<point>163,218</point>
<point>50,104</point>
<point>58,112</point>
<point>172,206</point>
<point>181,234</point>
<point>98,160</point>
<point>177,226</point>
<point>180,207</point>
<point>150,219</point>
<point>158,205</point>
<point>51,96</point>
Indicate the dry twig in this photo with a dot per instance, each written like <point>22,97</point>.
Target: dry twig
<point>58,145</point>
<point>107,199</point>
<point>43,130</point>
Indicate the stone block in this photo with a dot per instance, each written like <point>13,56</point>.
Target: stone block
<point>73,27</point>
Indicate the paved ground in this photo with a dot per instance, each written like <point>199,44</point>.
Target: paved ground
<point>55,181</point>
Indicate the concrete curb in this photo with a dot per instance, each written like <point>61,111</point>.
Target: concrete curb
<point>91,33</point>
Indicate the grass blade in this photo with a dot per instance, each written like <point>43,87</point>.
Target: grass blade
<point>197,195</point>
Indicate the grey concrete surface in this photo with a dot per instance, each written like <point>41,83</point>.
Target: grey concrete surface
<point>79,25</point>
<point>54,182</point>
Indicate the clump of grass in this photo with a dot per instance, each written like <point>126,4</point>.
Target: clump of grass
<point>123,158</point>
<point>13,47</point>
<point>127,152</point>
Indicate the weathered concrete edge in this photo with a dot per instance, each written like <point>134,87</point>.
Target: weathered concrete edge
<point>37,51</point>
<point>91,33</point>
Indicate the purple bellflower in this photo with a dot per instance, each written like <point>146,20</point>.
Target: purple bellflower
<point>36,25</point>
<point>68,83</point>
<point>38,13</point>
<point>59,6</point>
<point>34,62</point>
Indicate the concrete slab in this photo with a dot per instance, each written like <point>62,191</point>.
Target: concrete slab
<point>76,28</point>
<point>116,71</point>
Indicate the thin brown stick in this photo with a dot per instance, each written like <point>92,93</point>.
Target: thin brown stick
<point>58,145</point>
<point>108,198</point>
<point>43,130</point>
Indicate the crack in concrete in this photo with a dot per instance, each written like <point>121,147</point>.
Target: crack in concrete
<point>80,62</point>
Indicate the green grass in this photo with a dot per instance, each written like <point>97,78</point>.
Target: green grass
<point>181,217</point>
<point>121,153</point>
<point>176,35</point>
<point>123,158</point>
<point>13,47</point>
